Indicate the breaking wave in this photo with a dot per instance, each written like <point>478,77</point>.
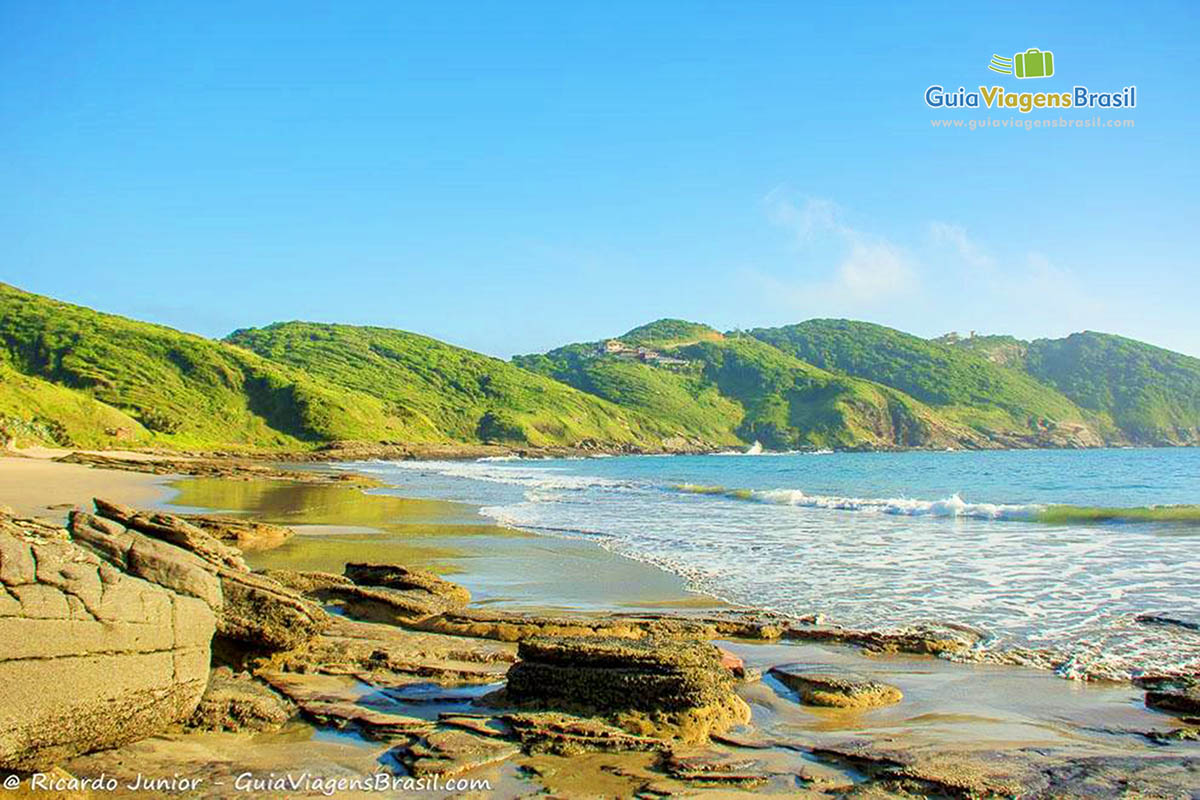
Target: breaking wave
<point>953,506</point>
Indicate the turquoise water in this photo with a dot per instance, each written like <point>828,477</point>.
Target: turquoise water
<point>878,540</point>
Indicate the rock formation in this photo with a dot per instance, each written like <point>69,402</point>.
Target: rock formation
<point>257,613</point>
<point>90,656</point>
<point>676,688</point>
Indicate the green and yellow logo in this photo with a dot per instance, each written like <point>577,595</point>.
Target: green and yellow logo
<point>1033,63</point>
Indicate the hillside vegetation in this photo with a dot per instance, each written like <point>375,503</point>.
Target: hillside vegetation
<point>71,376</point>
<point>1134,392</point>
<point>1151,395</point>
<point>442,392</point>
<point>734,388</point>
<point>94,377</point>
<point>963,385</point>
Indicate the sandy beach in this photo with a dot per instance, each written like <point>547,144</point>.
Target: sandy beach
<point>960,727</point>
<point>32,484</point>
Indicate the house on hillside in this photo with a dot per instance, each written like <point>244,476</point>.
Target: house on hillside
<point>615,347</point>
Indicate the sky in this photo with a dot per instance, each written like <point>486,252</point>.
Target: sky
<point>510,177</point>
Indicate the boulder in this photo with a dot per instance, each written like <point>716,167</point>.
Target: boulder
<point>1180,696</point>
<point>648,686</point>
<point>90,657</point>
<point>264,615</point>
<point>835,687</point>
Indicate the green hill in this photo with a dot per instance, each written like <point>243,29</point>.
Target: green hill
<point>151,385</point>
<point>1151,395</point>
<point>736,389</point>
<point>1002,403</point>
<point>444,392</point>
<point>75,377</point>
<point>34,411</point>
<point>70,375</point>
<point>1134,392</point>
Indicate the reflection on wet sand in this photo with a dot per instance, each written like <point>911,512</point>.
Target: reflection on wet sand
<point>337,524</point>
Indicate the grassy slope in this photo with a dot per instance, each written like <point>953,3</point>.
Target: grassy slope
<point>164,387</point>
<point>34,411</point>
<point>738,388</point>
<point>962,385</point>
<point>1152,395</point>
<point>444,390</point>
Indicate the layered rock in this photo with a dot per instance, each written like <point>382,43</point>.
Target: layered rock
<point>1176,695</point>
<point>394,576</point>
<point>255,612</point>
<point>371,603</point>
<point>386,655</point>
<point>834,687</point>
<point>91,657</point>
<point>649,686</point>
<point>449,752</point>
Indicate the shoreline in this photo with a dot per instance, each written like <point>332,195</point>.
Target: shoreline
<point>349,452</point>
<point>679,593</point>
<point>965,712</point>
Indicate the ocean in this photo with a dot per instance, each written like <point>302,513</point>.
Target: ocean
<point>887,540</point>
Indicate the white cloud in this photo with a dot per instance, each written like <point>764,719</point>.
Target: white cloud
<point>946,233</point>
<point>872,271</point>
<point>1027,289</point>
<point>871,268</point>
<point>939,278</point>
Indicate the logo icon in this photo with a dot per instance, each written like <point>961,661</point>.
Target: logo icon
<point>1033,63</point>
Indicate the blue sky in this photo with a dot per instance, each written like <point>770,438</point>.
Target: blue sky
<point>514,176</point>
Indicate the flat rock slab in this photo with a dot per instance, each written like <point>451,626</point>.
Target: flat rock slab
<point>482,724</point>
<point>451,752</point>
<point>716,767</point>
<point>311,687</point>
<point>373,723</point>
<point>834,687</point>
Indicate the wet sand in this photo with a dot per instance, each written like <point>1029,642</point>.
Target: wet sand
<point>337,524</point>
<point>978,706</point>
